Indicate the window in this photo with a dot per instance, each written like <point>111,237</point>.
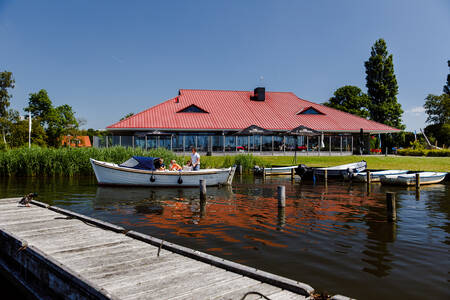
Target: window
<point>193,109</point>
<point>310,111</point>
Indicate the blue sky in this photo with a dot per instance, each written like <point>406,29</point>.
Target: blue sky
<point>108,58</point>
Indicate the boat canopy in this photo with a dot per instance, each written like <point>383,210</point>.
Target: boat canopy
<point>140,162</point>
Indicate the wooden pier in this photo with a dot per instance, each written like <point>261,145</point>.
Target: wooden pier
<point>55,253</point>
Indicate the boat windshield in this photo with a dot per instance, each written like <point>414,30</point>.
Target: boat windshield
<point>140,162</point>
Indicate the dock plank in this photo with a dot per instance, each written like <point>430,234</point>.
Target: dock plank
<point>128,266</point>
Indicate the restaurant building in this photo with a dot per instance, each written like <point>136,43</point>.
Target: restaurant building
<point>258,121</point>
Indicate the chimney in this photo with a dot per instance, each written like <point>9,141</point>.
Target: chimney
<point>259,94</point>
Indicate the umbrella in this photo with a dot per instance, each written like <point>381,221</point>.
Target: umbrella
<point>154,132</point>
<point>301,131</point>
<point>254,130</point>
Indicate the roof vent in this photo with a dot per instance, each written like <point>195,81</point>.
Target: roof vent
<point>259,94</point>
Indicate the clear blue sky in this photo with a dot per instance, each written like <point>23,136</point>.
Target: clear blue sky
<point>108,58</point>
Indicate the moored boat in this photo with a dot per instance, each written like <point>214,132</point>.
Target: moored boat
<point>375,176</point>
<point>275,170</point>
<point>410,179</point>
<point>140,171</point>
<point>336,171</point>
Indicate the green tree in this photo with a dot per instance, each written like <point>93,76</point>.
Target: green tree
<point>127,116</point>
<point>382,87</point>
<point>438,110</point>
<point>447,86</point>
<point>40,106</point>
<point>6,82</point>
<point>350,99</point>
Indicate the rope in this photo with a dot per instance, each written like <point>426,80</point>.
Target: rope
<point>70,218</point>
<point>24,246</point>
<point>159,248</point>
<point>254,293</point>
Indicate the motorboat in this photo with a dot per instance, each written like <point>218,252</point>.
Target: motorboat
<point>274,170</point>
<point>375,176</point>
<point>336,171</point>
<point>141,171</point>
<point>410,179</point>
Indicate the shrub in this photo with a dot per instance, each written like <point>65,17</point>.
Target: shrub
<point>424,152</point>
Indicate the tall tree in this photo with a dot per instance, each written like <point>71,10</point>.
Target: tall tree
<point>127,116</point>
<point>6,82</point>
<point>40,106</point>
<point>382,87</point>
<point>438,111</point>
<point>350,99</point>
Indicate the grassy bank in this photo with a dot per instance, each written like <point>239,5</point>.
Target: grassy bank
<point>75,161</point>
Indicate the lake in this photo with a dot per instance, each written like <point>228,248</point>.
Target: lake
<point>332,236</point>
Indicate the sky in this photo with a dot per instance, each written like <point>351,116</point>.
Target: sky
<point>109,58</point>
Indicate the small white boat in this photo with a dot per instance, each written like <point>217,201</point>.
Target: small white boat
<point>375,176</point>
<point>275,170</point>
<point>410,179</point>
<point>336,171</point>
<point>139,171</point>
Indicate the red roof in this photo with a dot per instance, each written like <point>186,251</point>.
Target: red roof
<point>233,110</point>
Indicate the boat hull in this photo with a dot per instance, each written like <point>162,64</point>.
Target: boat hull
<point>375,176</point>
<point>342,171</point>
<point>112,174</point>
<point>275,170</point>
<point>410,179</point>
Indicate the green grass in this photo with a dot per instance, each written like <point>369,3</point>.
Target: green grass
<point>75,161</point>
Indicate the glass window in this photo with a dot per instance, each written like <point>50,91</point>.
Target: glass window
<point>193,109</point>
<point>127,141</point>
<point>115,140</point>
<point>139,141</point>
<point>202,143</point>
<point>230,143</point>
<point>311,111</point>
<point>217,143</point>
<point>255,143</point>
<point>242,143</point>
<point>177,143</point>
<point>267,143</point>
<point>189,142</point>
<point>164,141</point>
<point>278,143</point>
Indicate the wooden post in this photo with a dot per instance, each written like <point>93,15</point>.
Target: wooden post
<point>325,175</point>
<point>314,176</point>
<point>264,173</point>
<point>341,146</point>
<point>329,145</point>
<point>368,177</point>
<point>202,189</point>
<point>352,144</point>
<point>417,181</point>
<point>390,207</point>
<point>281,196</point>
<point>292,174</point>
<point>385,154</point>
<point>240,169</point>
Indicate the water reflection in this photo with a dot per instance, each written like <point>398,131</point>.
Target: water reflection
<point>331,235</point>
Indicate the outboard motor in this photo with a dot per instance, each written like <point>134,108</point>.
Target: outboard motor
<point>350,174</point>
<point>301,170</point>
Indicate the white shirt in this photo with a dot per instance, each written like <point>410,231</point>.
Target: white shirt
<point>194,158</point>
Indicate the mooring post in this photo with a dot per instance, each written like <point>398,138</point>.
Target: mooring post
<point>281,196</point>
<point>368,177</point>
<point>390,207</point>
<point>240,169</point>
<point>417,181</point>
<point>202,189</point>
<point>325,175</point>
<point>292,174</point>
<point>314,176</point>
<point>264,173</point>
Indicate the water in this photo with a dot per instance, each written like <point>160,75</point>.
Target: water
<point>335,237</point>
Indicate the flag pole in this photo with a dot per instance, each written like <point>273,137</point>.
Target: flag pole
<point>29,130</point>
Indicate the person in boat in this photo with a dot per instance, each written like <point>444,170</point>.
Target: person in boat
<point>174,166</point>
<point>159,164</point>
<point>195,160</point>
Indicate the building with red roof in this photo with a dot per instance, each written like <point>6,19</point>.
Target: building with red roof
<point>209,119</point>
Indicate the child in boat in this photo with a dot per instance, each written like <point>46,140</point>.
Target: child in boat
<point>159,164</point>
<point>174,166</point>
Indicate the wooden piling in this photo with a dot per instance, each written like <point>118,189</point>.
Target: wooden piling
<point>417,181</point>
<point>202,189</point>
<point>325,175</point>
<point>240,169</point>
<point>281,196</point>
<point>390,207</point>
<point>314,176</point>
<point>292,174</point>
<point>368,177</point>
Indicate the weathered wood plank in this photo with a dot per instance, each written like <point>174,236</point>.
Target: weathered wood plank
<point>19,228</point>
<point>286,295</point>
<point>263,288</point>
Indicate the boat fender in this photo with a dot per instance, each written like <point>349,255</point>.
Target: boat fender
<point>152,178</point>
<point>180,180</point>
<point>350,173</point>
<point>301,170</point>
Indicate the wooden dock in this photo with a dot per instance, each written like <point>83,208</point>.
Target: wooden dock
<point>55,253</point>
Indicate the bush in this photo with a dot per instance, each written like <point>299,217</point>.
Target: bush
<point>424,152</point>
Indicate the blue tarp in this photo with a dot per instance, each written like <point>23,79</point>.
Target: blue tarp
<point>143,163</point>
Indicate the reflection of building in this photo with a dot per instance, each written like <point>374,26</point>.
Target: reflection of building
<point>208,119</point>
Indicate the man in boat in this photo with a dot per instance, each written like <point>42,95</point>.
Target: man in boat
<point>159,164</point>
<point>174,166</point>
<point>195,160</point>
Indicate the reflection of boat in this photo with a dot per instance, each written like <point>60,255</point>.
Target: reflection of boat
<point>274,170</point>
<point>140,171</point>
<point>336,171</point>
<point>410,179</point>
<point>375,176</point>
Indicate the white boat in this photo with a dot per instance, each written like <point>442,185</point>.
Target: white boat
<point>275,170</point>
<point>336,171</point>
<point>375,176</point>
<point>139,171</point>
<point>410,179</point>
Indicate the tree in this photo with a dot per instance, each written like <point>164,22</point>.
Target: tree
<point>382,87</point>
<point>40,106</point>
<point>127,116</point>
<point>438,110</point>
<point>447,86</point>
<point>6,82</point>
<point>350,99</point>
